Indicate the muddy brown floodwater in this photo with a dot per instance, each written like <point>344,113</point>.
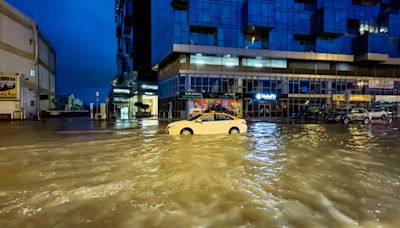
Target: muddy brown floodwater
<point>73,173</point>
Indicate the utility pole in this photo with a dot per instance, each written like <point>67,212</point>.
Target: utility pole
<point>36,54</point>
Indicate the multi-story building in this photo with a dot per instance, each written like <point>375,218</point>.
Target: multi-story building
<point>135,81</point>
<point>270,58</point>
<point>27,66</point>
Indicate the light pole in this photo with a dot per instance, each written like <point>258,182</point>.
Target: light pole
<point>97,103</point>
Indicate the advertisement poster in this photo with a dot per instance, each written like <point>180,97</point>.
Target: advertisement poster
<point>9,87</point>
<point>230,106</point>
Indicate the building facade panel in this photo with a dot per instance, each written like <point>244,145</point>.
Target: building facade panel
<point>16,35</point>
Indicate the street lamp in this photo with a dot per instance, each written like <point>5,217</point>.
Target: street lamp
<point>97,102</point>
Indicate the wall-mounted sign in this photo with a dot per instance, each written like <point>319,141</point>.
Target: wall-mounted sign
<point>381,84</point>
<point>352,97</point>
<point>9,87</point>
<point>381,98</point>
<point>267,97</point>
<point>191,95</point>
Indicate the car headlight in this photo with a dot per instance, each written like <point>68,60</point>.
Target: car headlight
<point>337,118</point>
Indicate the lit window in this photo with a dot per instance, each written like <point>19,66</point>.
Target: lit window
<point>214,60</point>
<point>259,63</point>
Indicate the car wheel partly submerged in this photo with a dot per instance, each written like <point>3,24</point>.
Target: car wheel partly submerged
<point>346,121</point>
<point>366,121</point>
<point>186,131</point>
<point>234,131</point>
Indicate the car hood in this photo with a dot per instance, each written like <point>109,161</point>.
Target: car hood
<point>178,123</point>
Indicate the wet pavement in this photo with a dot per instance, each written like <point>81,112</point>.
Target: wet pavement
<point>78,173</point>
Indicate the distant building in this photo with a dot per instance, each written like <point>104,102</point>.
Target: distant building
<point>135,80</point>
<point>69,102</point>
<point>270,58</point>
<point>28,61</point>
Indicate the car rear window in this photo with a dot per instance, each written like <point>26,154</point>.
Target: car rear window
<point>222,117</point>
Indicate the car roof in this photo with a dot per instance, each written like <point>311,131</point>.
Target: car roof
<point>221,113</point>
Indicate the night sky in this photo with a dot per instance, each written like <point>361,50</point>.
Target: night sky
<point>83,35</point>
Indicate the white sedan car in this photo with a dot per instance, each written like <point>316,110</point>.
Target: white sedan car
<point>208,123</point>
<point>379,113</point>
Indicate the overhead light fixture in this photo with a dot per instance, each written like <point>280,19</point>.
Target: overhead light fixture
<point>152,87</point>
<point>124,91</point>
<point>32,73</point>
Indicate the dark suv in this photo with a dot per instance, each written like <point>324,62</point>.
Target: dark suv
<point>347,116</point>
<point>311,113</point>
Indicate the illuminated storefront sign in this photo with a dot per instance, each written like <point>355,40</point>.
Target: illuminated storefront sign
<point>268,97</point>
<point>380,98</point>
<point>9,87</point>
<point>354,97</point>
<point>381,84</point>
<point>191,95</point>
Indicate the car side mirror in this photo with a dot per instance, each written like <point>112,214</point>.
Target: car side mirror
<point>199,121</point>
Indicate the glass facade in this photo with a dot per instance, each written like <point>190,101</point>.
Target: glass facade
<point>303,52</point>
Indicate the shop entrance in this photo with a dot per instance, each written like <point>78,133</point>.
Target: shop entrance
<point>264,110</point>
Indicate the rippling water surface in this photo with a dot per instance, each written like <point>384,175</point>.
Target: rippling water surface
<point>74,174</point>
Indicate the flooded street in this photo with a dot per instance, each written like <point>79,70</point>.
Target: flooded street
<point>73,173</point>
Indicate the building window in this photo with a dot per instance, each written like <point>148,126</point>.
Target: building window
<point>306,42</point>
<point>180,4</point>
<point>344,67</point>
<point>365,2</point>
<point>200,35</point>
<point>398,45</point>
<point>353,26</point>
<point>226,60</point>
<point>368,26</point>
<point>306,1</point>
<point>259,63</point>
<point>256,37</point>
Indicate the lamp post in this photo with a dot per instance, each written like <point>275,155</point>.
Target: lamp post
<point>97,103</point>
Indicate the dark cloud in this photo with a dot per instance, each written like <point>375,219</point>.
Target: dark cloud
<point>83,34</point>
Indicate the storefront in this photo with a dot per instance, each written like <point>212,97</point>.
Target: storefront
<point>140,100</point>
<point>351,100</point>
<point>389,103</point>
<point>270,95</point>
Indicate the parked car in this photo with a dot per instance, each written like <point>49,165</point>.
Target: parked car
<point>208,123</point>
<point>311,113</point>
<point>379,113</point>
<point>347,116</point>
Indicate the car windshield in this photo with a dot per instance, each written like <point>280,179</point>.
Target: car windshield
<point>194,117</point>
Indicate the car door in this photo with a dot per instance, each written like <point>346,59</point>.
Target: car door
<point>206,125</point>
<point>223,123</point>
